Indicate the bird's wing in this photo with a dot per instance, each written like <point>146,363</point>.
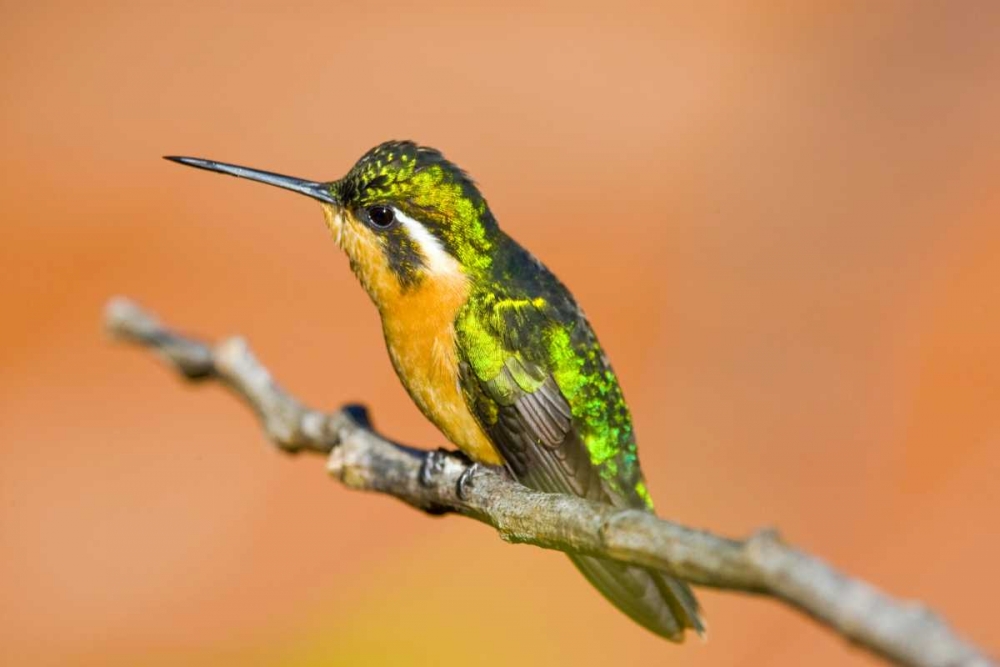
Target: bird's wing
<point>511,388</point>
<point>522,409</point>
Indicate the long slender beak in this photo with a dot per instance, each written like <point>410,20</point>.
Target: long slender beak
<point>320,191</point>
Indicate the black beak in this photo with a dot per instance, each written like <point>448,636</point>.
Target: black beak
<point>320,191</point>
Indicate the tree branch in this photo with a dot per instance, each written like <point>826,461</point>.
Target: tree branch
<point>903,632</point>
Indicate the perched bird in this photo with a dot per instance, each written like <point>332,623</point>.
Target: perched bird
<point>491,347</point>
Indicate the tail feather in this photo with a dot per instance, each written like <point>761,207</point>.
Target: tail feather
<point>659,603</point>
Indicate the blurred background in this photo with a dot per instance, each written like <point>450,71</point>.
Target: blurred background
<point>780,217</point>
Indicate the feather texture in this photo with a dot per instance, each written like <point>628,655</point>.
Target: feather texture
<point>534,375</point>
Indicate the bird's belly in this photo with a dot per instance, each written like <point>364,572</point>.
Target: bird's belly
<point>422,349</point>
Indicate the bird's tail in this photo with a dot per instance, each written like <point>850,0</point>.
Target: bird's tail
<point>656,601</point>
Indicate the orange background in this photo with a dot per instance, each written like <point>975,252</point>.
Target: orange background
<point>781,218</point>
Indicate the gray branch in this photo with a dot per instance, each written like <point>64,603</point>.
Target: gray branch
<point>906,633</point>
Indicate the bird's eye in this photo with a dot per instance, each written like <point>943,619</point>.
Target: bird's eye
<point>380,217</point>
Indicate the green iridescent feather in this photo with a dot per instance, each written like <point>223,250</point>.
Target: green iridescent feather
<point>521,326</point>
<point>429,188</point>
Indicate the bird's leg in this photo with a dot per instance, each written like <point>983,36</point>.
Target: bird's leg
<point>466,479</point>
<point>462,487</point>
<point>432,464</point>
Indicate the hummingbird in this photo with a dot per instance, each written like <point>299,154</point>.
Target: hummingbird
<point>491,346</point>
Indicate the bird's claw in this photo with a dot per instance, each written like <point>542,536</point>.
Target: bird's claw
<point>464,480</point>
<point>432,464</point>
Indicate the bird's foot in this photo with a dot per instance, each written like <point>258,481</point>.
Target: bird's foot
<point>464,480</point>
<point>433,463</point>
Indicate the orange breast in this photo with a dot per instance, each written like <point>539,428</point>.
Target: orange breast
<point>419,331</point>
<point>420,334</point>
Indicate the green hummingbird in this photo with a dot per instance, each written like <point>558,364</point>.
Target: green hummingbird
<point>491,346</point>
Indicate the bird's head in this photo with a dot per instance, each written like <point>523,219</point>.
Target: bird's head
<point>404,215</point>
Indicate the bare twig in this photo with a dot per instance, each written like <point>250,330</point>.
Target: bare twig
<point>906,633</point>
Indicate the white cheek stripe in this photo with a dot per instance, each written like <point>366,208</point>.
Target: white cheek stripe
<point>438,259</point>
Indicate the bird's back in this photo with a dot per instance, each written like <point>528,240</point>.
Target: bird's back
<point>535,377</point>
